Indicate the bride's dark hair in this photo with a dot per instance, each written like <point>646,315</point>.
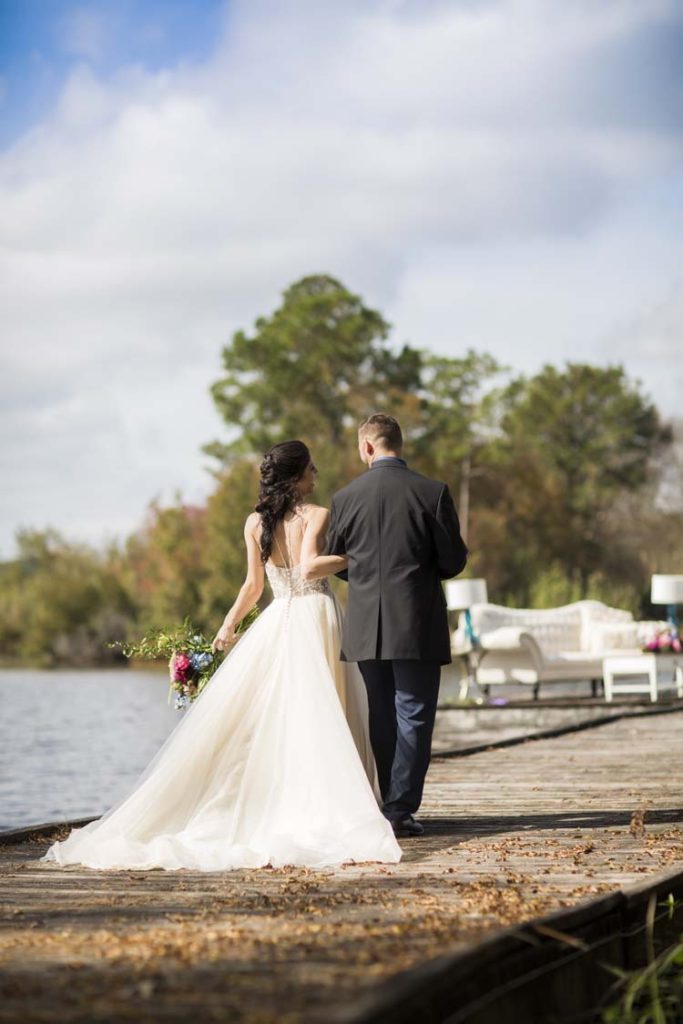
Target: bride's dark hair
<point>281,469</point>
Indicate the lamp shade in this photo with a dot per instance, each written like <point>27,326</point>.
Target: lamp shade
<point>461,594</point>
<point>667,590</point>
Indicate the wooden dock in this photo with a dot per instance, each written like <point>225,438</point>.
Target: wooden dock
<point>512,833</point>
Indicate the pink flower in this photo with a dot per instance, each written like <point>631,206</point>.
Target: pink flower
<point>180,667</point>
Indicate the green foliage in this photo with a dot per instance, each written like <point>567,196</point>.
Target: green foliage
<point>553,587</point>
<point>654,993</point>
<point>58,603</point>
<point>571,443</point>
<point>311,370</point>
<point>458,423</point>
<point>170,642</point>
<point>585,434</point>
<point>162,644</point>
<point>223,558</point>
<point>163,564</point>
<point>459,410</point>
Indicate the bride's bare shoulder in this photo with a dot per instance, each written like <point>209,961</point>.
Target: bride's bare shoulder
<point>253,524</point>
<point>310,509</point>
<point>315,515</point>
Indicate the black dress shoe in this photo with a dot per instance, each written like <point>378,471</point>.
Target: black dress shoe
<point>407,827</point>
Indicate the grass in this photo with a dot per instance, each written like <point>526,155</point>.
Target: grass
<point>654,993</point>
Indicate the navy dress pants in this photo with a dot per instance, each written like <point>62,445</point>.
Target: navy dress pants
<point>402,697</point>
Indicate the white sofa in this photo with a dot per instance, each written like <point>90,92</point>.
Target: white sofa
<point>535,646</point>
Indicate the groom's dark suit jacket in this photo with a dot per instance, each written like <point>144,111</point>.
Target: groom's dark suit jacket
<point>401,534</point>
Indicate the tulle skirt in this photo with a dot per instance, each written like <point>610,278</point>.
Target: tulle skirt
<point>271,765</point>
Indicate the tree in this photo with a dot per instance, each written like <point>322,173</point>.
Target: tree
<point>310,371</point>
<point>458,419</point>
<point>224,554</point>
<point>162,565</point>
<point>58,602</point>
<point>574,440</point>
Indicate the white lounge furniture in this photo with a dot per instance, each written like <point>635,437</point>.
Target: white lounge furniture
<point>641,673</point>
<point>535,646</point>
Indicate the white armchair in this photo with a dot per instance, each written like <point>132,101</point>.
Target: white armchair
<point>513,638</point>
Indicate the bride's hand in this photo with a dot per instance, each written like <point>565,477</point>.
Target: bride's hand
<point>225,637</point>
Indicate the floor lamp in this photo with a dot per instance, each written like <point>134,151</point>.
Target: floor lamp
<point>461,595</point>
<point>668,590</point>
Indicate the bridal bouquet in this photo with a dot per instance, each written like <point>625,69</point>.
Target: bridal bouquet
<point>191,662</point>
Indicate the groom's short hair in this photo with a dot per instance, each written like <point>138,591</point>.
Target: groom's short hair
<point>382,429</point>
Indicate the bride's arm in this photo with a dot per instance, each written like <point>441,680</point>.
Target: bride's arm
<point>250,591</point>
<point>315,565</point>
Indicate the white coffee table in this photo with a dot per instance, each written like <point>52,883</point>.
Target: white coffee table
<point>641,673</point>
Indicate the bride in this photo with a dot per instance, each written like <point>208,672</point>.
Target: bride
<point>272,764</point>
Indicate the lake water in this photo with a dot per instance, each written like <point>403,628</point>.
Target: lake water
<point>72,742</point>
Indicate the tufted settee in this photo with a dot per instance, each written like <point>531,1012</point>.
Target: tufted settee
<point>534,646</point>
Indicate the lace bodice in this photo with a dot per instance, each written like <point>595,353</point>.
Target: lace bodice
<point>286,582</point>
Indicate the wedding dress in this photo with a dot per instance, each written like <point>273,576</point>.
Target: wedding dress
<point>271,764</point>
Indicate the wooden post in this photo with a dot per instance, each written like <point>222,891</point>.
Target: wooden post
<point>464,502</point>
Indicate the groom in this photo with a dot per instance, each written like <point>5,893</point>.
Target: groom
<point>401,534</point>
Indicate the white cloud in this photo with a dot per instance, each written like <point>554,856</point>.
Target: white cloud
<point>469,168</point>
<point>601,297</point>
<point>651,343</point>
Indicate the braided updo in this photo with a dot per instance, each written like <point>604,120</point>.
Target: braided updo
<point>281,469</point>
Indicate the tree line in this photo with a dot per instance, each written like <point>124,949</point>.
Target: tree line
<point>556,477</point>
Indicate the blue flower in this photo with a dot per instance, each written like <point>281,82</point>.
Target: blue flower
<point>200,660</point>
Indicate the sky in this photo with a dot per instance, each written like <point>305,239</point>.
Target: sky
<point>504,175</point>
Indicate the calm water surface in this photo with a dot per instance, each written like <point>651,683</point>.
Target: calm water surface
<point>73,742</point>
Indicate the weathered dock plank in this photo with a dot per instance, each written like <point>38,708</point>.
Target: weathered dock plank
<point>512,833</point>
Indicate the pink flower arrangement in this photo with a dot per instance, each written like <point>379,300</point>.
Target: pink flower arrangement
<point>666,642</point>
<point>181,668</point>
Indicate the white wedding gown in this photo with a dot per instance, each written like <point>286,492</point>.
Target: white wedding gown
<point>271,765</point>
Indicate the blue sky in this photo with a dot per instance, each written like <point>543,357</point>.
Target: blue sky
<point>40,40</point>
<point>501,174</point>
